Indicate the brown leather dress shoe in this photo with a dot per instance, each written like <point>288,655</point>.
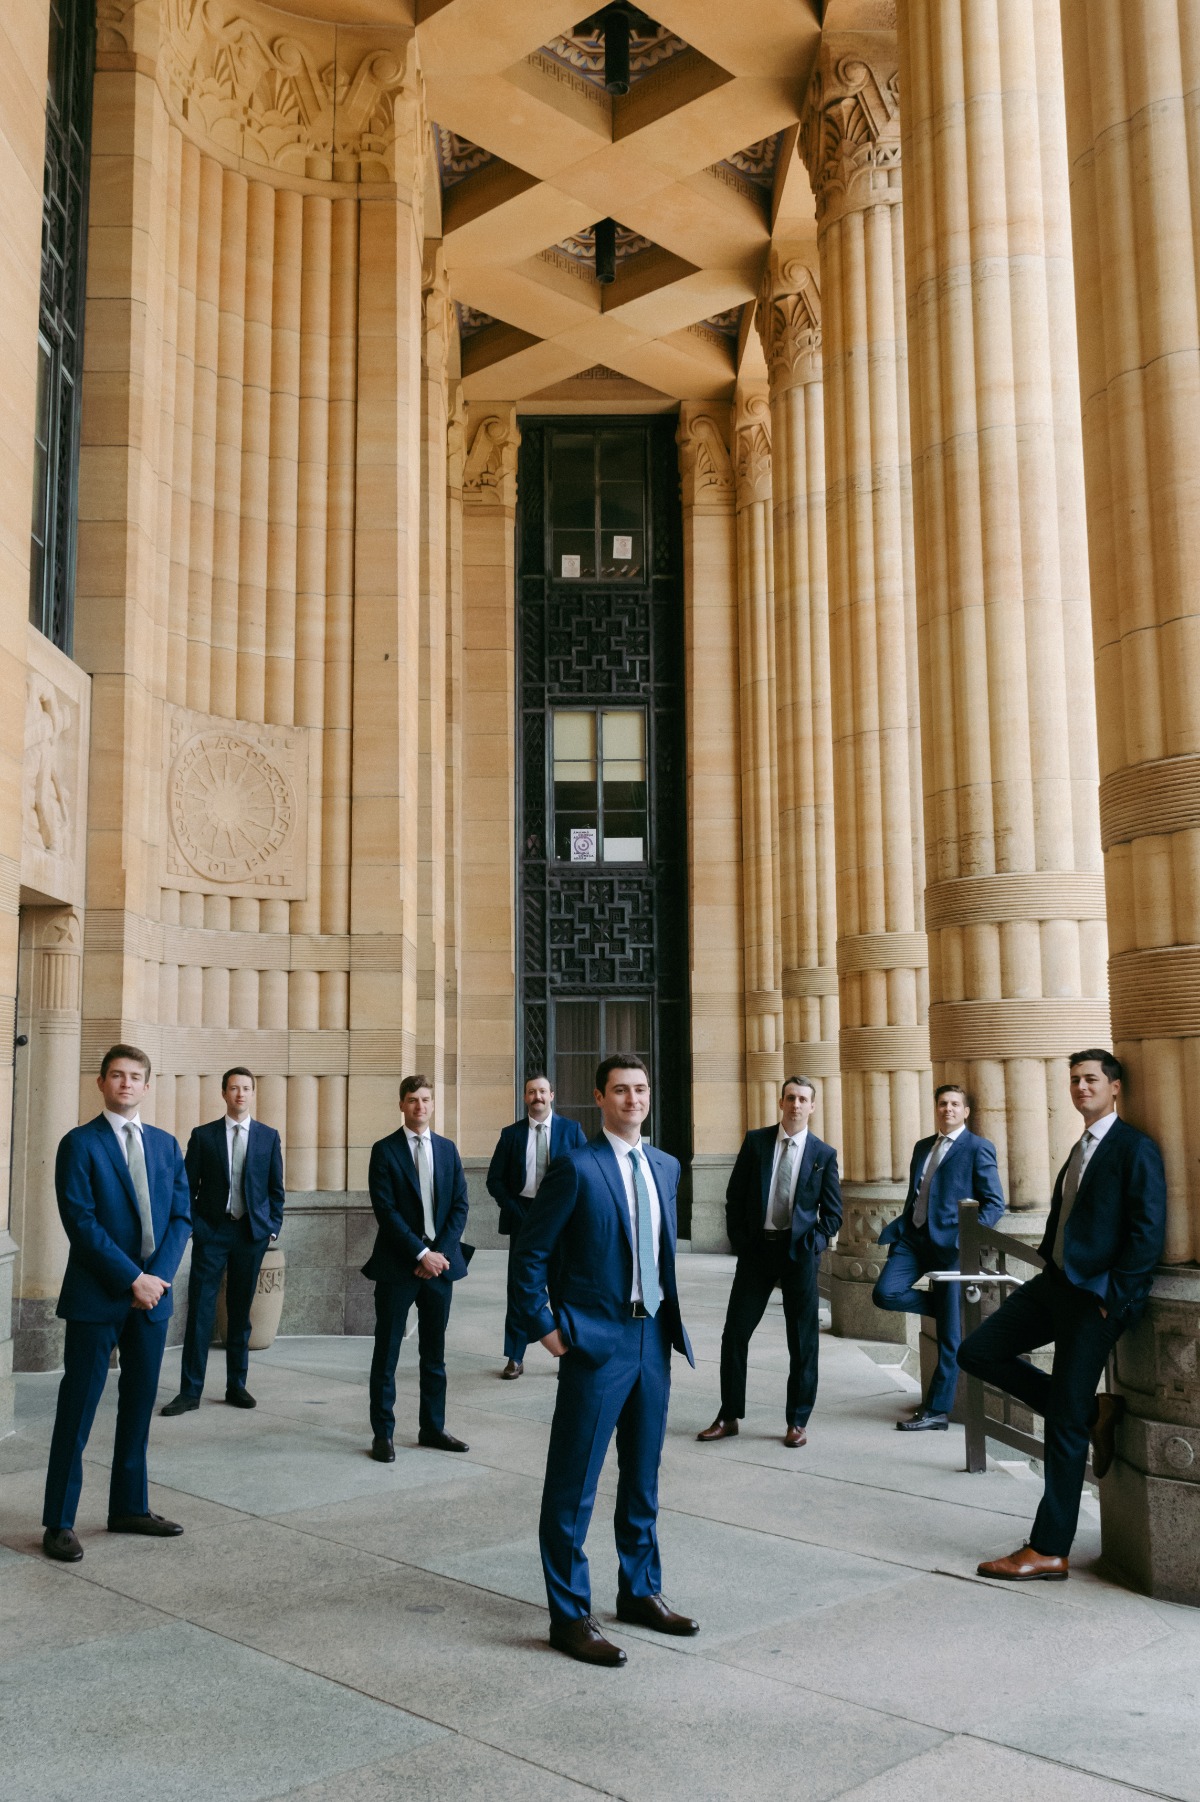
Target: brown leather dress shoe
<point>512,1370</point>
<point>720,1429</point>
<point>1104,1433</point>
<point>795,1436</point>
<point>1026,1566</point>
<point>652,1611</point>
<point>583,1639</point>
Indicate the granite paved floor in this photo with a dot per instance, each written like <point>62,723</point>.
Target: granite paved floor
<point>341,1631</point>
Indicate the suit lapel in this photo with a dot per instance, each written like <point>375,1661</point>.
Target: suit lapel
<point>963,1142</point>
<point>556,1135</point>
<point>221,1148</point>
<point>442,1185</point>
<point>1102,1151</point>
<point>666,1206</point>
<point>766,1157</point>
<point>606,1157</point>
<point>112,1146</point>
<point>405,1162</point>
<point>808,1160</point>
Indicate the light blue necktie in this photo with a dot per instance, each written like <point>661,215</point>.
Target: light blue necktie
<point>647,1273</point>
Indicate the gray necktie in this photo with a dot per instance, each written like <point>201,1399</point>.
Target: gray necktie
<point>1069,1192</point>
<point>541,1155</point>
<point>779,1218</point>
<point>141,1188</point>
<point>237,1172</point>
<point>425,1178</point>
<point>921,1205</point>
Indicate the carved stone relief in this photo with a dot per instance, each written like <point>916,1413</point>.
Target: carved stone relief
<point>704,461</point>
<point>490,473</point>
<point>237,807</point>
<point>57,695</point>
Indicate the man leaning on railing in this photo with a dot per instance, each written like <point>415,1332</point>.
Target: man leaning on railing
<point>1102,1242</point>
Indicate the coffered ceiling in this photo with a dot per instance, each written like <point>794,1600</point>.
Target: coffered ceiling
<point>696,164</point>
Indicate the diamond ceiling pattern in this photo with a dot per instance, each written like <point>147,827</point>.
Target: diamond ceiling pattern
<point>696,164</point>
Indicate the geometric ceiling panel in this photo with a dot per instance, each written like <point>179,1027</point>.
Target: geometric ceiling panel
<point>651,46</point>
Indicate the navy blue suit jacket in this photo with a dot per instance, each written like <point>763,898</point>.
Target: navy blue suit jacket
<point>207,1160</point>
<point>99,1213</point>
<point>506,1172</point>
<point>817,1203</point>
<point>966,1173</point>
<point>1114,1237</point>
<point>396,1200</point>
<point>580,1213</point>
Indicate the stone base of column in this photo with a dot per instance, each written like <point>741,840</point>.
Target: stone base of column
<point>8,1254</point>
<point>710,1179</point>
<point>858,1259</point>
<point>1150,1500</point>
<point>38,1335</point>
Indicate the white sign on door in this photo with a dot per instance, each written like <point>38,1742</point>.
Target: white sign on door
<point>583,843</point>
<point>622,549</point>
<point>570,566</point>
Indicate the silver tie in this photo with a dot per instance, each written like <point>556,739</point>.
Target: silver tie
<point>1070,1191</point>
<point>425,1178</point>
<point>541,1155</point>
<point>780,1218</point>
<point>141,1188</point>
<point>237,1175</point>
<point>921,1205</point>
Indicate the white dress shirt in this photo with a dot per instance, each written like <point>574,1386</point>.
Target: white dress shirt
<point>530,1189</point>
<point>231,1126</point>
<point>622,1147</point>
<point>799,1140</point>
<point>119,1122</point>
<point>1094,1133</point>
<point>957,1133</point>
<point>414,1139</point>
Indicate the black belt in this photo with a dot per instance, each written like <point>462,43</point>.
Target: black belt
<point>639,1312</point>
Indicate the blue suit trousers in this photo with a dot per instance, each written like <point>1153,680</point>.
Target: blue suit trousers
<point>89,1345</point>
<point>909,1257</point>
<point>432,1297</point>
<point>628,1395</point>
<point>215,1250</point>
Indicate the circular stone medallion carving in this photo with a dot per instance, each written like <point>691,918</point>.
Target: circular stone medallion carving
<point>1179,1452</point>
<point>233,809</point>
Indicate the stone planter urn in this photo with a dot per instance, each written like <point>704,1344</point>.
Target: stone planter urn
<point>267,1306</point>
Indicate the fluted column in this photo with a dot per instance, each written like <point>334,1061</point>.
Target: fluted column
<point>850,137</point>
<point>789,322</point>
<point>714,811</point>
<point>431,880</point>
<point>456,450</point>
<point>1133,88</point>
<point>1015,901</point>
<point>762,998</point>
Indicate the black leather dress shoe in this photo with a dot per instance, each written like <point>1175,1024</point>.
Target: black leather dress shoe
<point>182,1404</point>
<point>442,1442</point>
<point>383,1451</point>
<point>652,1611</point>
<point>61,1543</point>
<point>924,1421</point>
<point>240,1398</point>
<point>151,1526</point>
<point>512,1370</point>
<point>583,1640</point>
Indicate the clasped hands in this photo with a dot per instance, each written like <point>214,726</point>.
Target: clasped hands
<point>432,1264</point>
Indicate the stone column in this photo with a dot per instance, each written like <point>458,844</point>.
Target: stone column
<point>714,812</point>
<point>762,999</point>
<point>1133,86</point>
<point>1015,899</point>
<point>789,322</point>
<point>456,451</point>
<point>488,1003</point>
<point>431,878</point>
<point>850,138</point>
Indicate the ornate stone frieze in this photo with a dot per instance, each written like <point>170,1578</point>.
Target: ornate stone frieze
<point>850,132</point>
<point>490,472</point>
<point>237,807</point>
<point>789,323</point>
<point>704,462</point>
<point>752,449</point>
<point>57,693</point>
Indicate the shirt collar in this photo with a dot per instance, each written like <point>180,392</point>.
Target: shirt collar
<point>1098,1128</point>
<point>534,1124</point>
<point>798,1137</point>
<point>119,1122</point>
<point>955,1134</point>
<point>416,1135</point>
<point>622,1147</point>
<point>230,1121</point>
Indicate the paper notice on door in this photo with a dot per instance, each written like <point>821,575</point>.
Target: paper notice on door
<point>570,566</point>
<point>622,549</point>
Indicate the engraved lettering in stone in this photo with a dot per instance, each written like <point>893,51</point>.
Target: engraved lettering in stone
<point>233,809</point>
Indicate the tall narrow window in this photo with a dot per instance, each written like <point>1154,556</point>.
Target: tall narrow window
<point>60,324</point>
<point>599,785</point>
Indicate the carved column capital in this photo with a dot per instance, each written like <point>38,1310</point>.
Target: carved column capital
<point>789,321</point>
<point>705,467</point>
<point>456,439</point>
<point>490,470</point>
<point>850,130</point>
<point>752,448</point>
<point>435,311</point>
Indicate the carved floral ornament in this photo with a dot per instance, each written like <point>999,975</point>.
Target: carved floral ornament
<point>752,451</point>
<point>850,135</point>
<point>271,96</point>
<point>789,323</point>
<point>704,462</point>
<point>490,472</point>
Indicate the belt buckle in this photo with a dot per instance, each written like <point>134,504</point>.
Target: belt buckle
<point>639,1310</point>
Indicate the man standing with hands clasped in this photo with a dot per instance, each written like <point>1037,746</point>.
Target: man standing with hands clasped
<point>1102,1241</point>
<point>123,1197</point>
<point>608,1212</point>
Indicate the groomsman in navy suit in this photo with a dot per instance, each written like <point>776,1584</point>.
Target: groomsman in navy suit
<point>123,1198</point>
<point>783,1206</point>
<point>235,1167</point>
<point>522,1156</point>
<point>419,1194</point>
<point>605,1217</point>
<point>1104,1237</point>
<point>953,1165</point>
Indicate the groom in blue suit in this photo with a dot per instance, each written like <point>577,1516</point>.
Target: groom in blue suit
<point>125,1205</point>
<point>606,1216</point>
